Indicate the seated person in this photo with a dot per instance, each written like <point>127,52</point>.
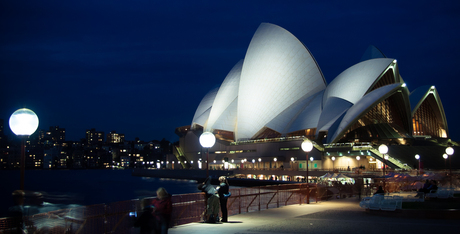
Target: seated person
<point>425,187</point>
<point>379,191</point>
<point>433,186</point>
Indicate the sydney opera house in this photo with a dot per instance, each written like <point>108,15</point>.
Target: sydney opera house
<point>277,96</point>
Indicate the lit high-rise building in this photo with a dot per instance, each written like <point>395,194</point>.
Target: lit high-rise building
<point>94,137</point>
<point>114,137</point>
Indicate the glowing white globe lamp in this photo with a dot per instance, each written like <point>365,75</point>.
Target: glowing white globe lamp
<point>23,122</point>
<point>383,149</point>
<point>307,145</point>
<point>207,140</point>
<point>449,151</point>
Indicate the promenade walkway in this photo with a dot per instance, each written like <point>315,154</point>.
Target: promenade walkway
<point>335,216</point>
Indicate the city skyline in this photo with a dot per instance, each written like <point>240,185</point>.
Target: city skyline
<point>141,69</point>
<point>84,133</point>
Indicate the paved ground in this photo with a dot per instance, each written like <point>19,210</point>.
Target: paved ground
<point>336,216</point>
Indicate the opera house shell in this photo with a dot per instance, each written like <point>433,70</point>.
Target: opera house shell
<point>278,91</point>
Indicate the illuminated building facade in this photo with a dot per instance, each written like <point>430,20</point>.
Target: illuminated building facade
<point>114,137</point>
<point>94,137</point>
<point>54,136</point>
<point>277,96</point>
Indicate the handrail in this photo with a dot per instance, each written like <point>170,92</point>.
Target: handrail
<point>187,208</point>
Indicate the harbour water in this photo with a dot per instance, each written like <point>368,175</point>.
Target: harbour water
<point>87,187</point>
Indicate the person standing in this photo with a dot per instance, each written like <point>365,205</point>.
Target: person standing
<point>162,210</point>
<point>146,221</point>
<point>211,214</point>
<point>223,197</point>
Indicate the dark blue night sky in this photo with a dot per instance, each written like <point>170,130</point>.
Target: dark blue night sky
<point>141,67</point>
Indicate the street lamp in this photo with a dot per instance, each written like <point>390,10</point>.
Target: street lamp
<point>23,123</point>
<point>311,159</point>
<point>253,161</point>
<point>357,159</point>
<point>360,179</point>
<point>307,146</point>
<point>418,158</point>
<point>333,159</point>
<point>450,152</point>
<point>445,156</point>
<point>258,164</point>
<point>383,149</point>
<point>207,140</point>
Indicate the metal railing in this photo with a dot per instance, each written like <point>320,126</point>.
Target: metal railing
<point>396,162</point>
<point>187,208</point>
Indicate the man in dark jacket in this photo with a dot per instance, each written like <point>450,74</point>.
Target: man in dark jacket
<point>223,197</point>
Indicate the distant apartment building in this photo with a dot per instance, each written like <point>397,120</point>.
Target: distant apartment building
<point>52,158</point>
<point>4,149</point>
<point>114,137</point>
<point>97,158</point>
<point>7,156</point>
<point>124,161</point>
<point>2,134</point>
<point>3,137</point>
<point>56,134</point>
<point>34,157</point>
<point>53,137</point>
<point>140,145</point>
<point>94,137</point>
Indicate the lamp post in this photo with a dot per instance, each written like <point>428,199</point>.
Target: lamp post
<point>307,146</point>
<point>333,159</point>
<point>383,149</point>
<point>207,140</point>
<point>450,152</point>
<point>418,158</point>
<point>359,167</point>
<point>253,161</point>
<point>23,123</point>
<point>360,179</point>
<point>258,164</point>
<point>445,156</point>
